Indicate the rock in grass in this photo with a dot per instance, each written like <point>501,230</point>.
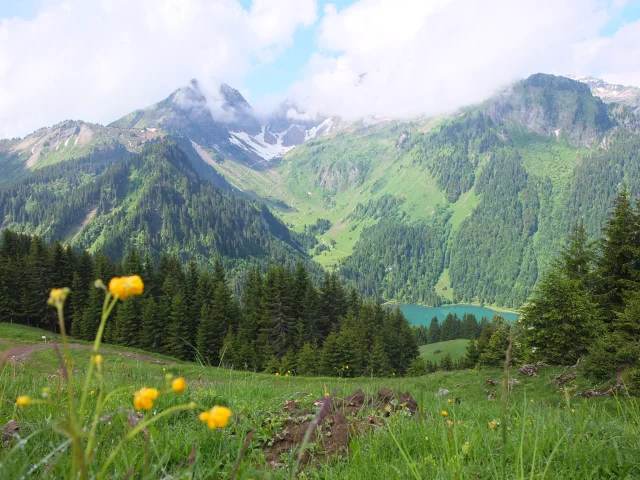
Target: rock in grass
<point>9,430</point>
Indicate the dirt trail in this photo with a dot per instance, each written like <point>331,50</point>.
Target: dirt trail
<point>22,353</point>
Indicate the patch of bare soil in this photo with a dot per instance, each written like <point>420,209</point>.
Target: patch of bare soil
<point>345,418</point>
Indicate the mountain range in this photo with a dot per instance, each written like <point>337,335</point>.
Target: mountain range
<point>467,206</point>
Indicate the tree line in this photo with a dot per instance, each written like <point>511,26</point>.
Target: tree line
<point>587,307</point>
<point>280,321</point>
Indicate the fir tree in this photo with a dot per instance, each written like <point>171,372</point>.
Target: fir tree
<point>434,330</point>
<point>150,333</point>
<point>379,364</point>
<point>472,354</point>
<point>176,345</point>
<point>417,368</point>
<point>560,320</point>
<point>308,360</point>
<point>617,268</point>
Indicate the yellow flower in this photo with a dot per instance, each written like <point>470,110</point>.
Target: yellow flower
<point>143,398</point>
<point>23,400</point>
<point>286,374</point>
<point>444,413</point>
<point>97,359</point>
<point>426,438</point>
<point>527,422</point>
<point>573,411</point>
<point>449,401</point>
<point>311,394</point>
<point>123,287</point>
<point>450,423</point>
<point>347,367</point>
<point>326,394</point>
<point>531,400</point>
<point>46,391</point>
<point>217,417</point>
<point>277,374</point>
<point>179,385</point>
<point>393,374</point>
<point>493,424</point>
<point>58,296</point>
<point>92,393</point>
<point>288,371</point>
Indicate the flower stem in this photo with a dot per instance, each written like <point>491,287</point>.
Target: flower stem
<point>138,428</point>
<point>106,311</point>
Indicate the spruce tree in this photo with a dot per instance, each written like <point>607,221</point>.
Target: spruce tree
<point>150,333</point>
<point>434,330</point>
<point>560,320</point>
<point>77,301</point>
<point>618,265</point>
<point>379,364</point>
<point>332,357</point>
<point>472,354</point>
<point>176,345</point>
<point>417,368</point>
<point>308,361</point>
<point>619,349</point>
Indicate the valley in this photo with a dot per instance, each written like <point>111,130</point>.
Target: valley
<point>317,239</point>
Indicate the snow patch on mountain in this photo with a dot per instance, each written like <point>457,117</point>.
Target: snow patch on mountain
<point>257,145</point>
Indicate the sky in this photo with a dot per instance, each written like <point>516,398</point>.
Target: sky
<point>97,60</point>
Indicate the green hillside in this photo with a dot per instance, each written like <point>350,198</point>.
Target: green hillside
<point>455,348</point>
<point>469,207</point>
<point>495,190</point>
<point>469,442</point>
<point>152,201</point>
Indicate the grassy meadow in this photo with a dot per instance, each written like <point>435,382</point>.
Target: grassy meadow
<point>545,432</point>
<point>435,351</point>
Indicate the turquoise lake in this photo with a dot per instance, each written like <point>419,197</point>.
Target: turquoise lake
<point>419,315</point>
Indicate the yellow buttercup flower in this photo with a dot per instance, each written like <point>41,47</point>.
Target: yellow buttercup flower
<point>179,385</point>
<point>123,287</point>
<point>326,394</point>
<point>58,296</point>
<point>277,374</point>
<point>23,400</point>
<point>217,417</point>
<point>444,413</point>
<point>143,398</point>
<point>97,359</point>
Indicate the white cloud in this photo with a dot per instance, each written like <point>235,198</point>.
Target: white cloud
<point>97,60</point>
<point>615,58</point>
<point>431,56</point>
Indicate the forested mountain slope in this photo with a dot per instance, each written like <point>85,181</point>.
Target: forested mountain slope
<point>152,201</point>
<point>464,207</point>
<point>469,207</point>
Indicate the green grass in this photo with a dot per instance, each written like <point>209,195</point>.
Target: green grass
<point>547,434</point>
<point>456,348</point>
<point>443,287</point>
